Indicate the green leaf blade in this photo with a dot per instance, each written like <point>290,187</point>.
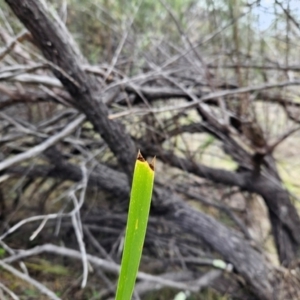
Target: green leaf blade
<point>139,207</point>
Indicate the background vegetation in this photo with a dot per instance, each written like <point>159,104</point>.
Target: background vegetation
<point>210,87</point>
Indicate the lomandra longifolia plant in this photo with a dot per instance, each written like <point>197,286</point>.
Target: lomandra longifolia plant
<point>138,214</point>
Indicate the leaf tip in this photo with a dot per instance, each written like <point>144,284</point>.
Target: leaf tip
<point>152,163</point>
<point>140,157</point>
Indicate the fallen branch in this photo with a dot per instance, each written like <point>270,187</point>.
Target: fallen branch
<point>43,146</point>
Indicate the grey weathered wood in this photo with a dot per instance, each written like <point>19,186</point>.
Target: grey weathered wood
<point>67,67</point>
<point>85,90</point>
<point>284,218</point>
<point>250,264</point>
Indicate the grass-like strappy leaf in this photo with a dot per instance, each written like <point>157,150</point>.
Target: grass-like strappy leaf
<point>139,206</point>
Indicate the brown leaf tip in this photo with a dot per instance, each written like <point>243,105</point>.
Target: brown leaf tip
<point>140,157</point>
<point>152,163</point>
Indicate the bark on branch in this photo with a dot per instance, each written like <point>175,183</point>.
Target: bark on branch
<point>283,215</point>
<point>250,264</point>
<point>67,64</point>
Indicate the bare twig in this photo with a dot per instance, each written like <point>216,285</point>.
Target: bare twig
<point>75,217</point>
<point>25,277</point>
<point>9,292</point>
<point>43,146</point>
<point>11,45</point>
<point>205,98</point>
<point>106,265</point>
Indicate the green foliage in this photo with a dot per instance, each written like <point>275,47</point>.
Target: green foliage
<point>2,252</point>
<point>98,25</point>
<point>48,268</point>
<point>140,199</point>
